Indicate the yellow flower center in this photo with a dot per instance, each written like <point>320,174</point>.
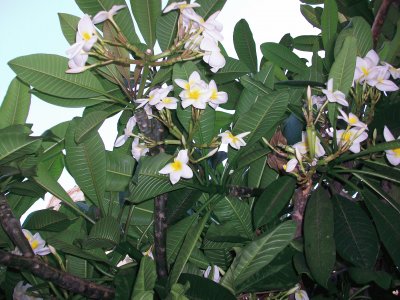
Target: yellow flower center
<point>194,94</point>
<point>167,100</point>
<point>187,86</point>
<point>214,95</point>
<point>34,244</point>
<point>353,119</point>
<point>176,165</point>
<point>347,136</point>
<point>232,137</point>
<point>285,167</point>
<point>396,152</point>
<point>365,71</point>
<point>86,36</point>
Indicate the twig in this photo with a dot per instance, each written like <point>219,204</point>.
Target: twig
<point>380,19</point>
<point>301,195</point>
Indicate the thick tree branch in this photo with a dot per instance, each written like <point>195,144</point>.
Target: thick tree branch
<point>12,227</point>
<point>380,19</point>
<point>64,280</point>
<point>243,191</point>
<point>301,195</point>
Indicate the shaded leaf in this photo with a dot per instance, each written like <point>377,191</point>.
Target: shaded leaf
<point>244,44</point>
<point>146,13</point>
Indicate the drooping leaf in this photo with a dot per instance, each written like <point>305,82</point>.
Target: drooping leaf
<point>319,243</point>
<point>146,13</point>
<point>15,106</point>
<point>46,73</point>
<point>283,57</point>
<point>274,198</point>
<point>258,254</point>
<point>355,236</point>
<point>244,44</point>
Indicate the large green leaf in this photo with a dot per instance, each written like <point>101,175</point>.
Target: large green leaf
<point>187,248</point>
<point>274,198</point>
<point>263,116</point>
<point>205,128</point>
<point>257,254</point>
<point>148,182</point>
<point>15,106</point>
<point>145,279</point>
<point>46,73</point>
<point>87,164</point>
<point>104,234</point>
<point>77,266</point>
<point>244,44</point>
<point>175,236</point>
<point>69,25</point>
<point>387,222</point>
<point>319,244</point>
<point>14,146</point>
<point>119,171</point>
<point>355,236</point>
<point>329,22</point>
<point>310,14</point>
<point>283,57</point>
<point>254,86</point>
<point>46,219</point>
<point>123,18</point>
<point>208,7</point>
<point>179,203</point>
<point>146,13</point>
<point>166,29</point>
<point>233,69</point>
<point>70,102</point>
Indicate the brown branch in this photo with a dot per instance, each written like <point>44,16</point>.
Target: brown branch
<point>243,191</point>
<point>301,195</point>
<point>380,19</point>
<point>64,280</point>
<point>12,227</point>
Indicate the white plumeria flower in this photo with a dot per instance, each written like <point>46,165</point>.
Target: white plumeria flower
<point>167,102</point>
<point>352,120</point>
<point>197,95</point>
<point>36,242</point>
<point>190,19</point>
<point>212,27</point>
<point>236,141</point>
<point>216,97</point>
<point>352,137</point>
<point>379,78</point>
<point>154,96</point>
<point>302,147</point>
<point>180,5</point>
<point>216,276</point>
<point>127,132</point>
<point>290,165</point>
<point>138,149</point>
<point>149,253</point>
<point>194,79</point>
<point>104,15</point>
<point>393,71</point>
<point>301,295</point>
<point>20,292</point>
<point>334,96</point>
<point>318,101</point>
<point>178,168</point>
<point>215,60</point>
<point>365,65</point>
<point>392,155</point>
<point>77,63</point>
<point>85,37</point>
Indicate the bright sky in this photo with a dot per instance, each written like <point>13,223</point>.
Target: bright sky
<point>33,27</point>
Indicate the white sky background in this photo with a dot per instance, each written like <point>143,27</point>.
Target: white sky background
<point>30,27</point>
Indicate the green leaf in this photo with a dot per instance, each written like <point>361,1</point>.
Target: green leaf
<point>329,22</point>
<point>387,223</point>
<point>262,117</point>
<point>86,162</point>
<point>355,236</point>
<point>146,13</point>
<point>148,182</point>
<point>254,86</point>
<point>187,247</point>
<point>310,14</point>
<point>205,289</point>
<point>283,57</point>
<point>15,146</point>
<point>258,254</point>
<point>167,29</point>
<point>46,73</point>
<point>244,44</point>
<point>15,106</point>
<point>176,235</point>
<point>119,171</point>
<point>179,202</point>
<point>233,69</point>
<point>342,71</point>
<point>69,102</point>
<point>319,244</point>
<point>363,277</point>
<point>205,131</point>
<point>123,18</point>
<point>69,24</point>
<point>274,198</point>
<point>383,168</point>
<point>77,266</point>
<point>208,7</point>
<point>46,219</point>
<point>104,234</point>
<point>307,42</point>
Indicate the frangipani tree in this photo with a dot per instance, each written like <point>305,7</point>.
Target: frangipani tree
<point>294,194</point>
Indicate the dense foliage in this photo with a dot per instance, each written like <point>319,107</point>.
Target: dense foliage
<point>230,178</point>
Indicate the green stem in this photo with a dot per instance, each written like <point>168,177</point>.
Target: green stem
<point>128,222</point>
<point>145,73</point>
<point>352,171</point>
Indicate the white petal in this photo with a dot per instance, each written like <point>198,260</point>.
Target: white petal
<point>373,57</point>
<point>387,134</point>
<point>167,169</point>
<point>291,165</point>
<point>186,172</point>
<point>183,156</point>
<point>120,141</point>
<point>100,17</point>
<point>174,177</point>
<point>392,158</point>
<point>75,49</point>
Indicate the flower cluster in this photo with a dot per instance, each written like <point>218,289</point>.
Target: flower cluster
<point>368,71</point>
<point>86,37</point>
<point>204,34</point>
